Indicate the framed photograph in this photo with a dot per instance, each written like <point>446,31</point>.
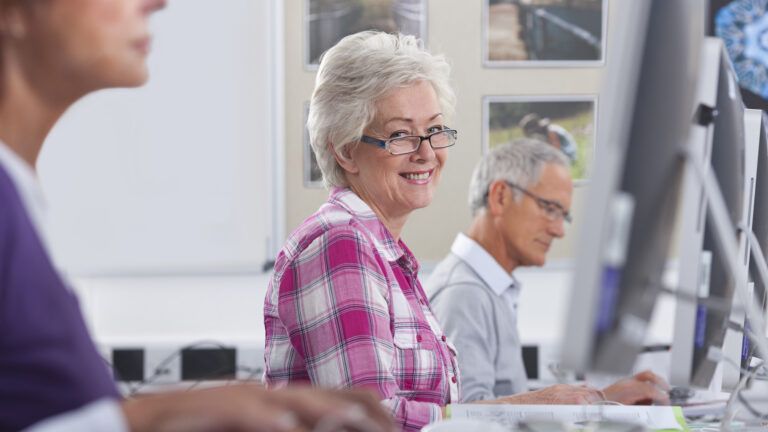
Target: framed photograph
<point>743,27</point>
<point>566,122</point>
<point>542,33</point>
<point>313,178</point>
<point>327,21</point>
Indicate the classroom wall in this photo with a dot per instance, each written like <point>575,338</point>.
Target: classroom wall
<point>454,29</point>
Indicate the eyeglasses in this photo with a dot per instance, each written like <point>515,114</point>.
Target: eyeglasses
<point>411,143</point>
<point>552,210</point>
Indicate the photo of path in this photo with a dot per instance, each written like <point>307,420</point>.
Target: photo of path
<point>544,30</point>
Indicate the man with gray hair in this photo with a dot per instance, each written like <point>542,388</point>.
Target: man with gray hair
<point>520,196</point>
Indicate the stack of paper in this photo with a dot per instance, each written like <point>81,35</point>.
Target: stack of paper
<point>574,416</point>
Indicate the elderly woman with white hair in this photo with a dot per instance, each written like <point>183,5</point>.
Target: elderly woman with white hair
<point>344,307</point>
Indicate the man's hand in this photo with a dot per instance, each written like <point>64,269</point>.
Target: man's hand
<point>644,388</point>
<point>250,407</point>
<point>560,394</point>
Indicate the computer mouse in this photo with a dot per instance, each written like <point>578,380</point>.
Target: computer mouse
<point>678,395</point>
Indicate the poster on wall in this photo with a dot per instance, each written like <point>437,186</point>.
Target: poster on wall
<point>540,33</point>
<point>565,122</point>
<point>313,177</point>
<point>743,26</point>
<point>327,21</point>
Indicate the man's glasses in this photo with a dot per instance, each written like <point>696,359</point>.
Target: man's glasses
<point>552,210</point>
<point>411,143</point>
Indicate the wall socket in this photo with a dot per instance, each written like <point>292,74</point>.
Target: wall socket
<point>173,364</point>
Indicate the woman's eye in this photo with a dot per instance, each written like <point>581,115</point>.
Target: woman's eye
<point>398,134</point>
<point>434,129</point>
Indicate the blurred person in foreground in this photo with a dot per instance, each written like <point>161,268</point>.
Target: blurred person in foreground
<point>520,198</point>
<point>345,307</point>
<point>52,53</point>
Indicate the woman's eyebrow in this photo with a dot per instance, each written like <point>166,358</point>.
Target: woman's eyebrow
<point>408,120</point>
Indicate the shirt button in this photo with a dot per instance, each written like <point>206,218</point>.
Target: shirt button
<point>444,338</point>
<point>453,379</point>
<point>418,338</point>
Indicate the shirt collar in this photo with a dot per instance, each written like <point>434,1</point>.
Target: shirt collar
<point>28,187</point>
<point>483,264</point>
<point>390,249</point>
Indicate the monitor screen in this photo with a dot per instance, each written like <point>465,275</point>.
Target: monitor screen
<point>649,87</point>
<point>703,270</point>
<point>760,228</point>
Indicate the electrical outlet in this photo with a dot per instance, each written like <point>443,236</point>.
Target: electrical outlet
<point>128,364</point>
<point>165,363</point>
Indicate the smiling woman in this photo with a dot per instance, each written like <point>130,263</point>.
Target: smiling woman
<point>344,307</point>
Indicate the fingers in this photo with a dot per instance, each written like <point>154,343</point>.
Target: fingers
<point>372,406</point>
<point>333,410</point>
<point>653,378</point>
<point>658,395</point>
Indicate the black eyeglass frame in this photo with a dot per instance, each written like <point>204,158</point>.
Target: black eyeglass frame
<point>385,144</point>
<point>548,206</point>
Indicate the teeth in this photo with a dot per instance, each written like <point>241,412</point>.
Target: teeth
<point>422,176</point>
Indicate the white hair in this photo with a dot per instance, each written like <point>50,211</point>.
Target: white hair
<point>520,162</point>
<point>352,76</point>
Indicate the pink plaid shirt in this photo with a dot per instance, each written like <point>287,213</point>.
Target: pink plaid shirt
<point>344,309</point>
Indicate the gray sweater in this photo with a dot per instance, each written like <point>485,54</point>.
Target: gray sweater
<point>481,326</point>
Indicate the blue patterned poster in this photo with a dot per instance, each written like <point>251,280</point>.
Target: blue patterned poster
<point>743,26</point>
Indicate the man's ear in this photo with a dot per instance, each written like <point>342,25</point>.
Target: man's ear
<point>497,197</point>
<point>344,158</point>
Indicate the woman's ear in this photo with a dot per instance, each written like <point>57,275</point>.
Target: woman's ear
<point>344,158</point>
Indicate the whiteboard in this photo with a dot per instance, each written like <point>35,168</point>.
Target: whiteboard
<point>175,177</point>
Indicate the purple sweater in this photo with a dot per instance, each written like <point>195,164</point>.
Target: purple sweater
<point>48,363</point>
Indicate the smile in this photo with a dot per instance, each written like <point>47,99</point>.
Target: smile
<point>418,176</point>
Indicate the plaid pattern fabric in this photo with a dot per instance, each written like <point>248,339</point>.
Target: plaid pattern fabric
<point>345,309</point>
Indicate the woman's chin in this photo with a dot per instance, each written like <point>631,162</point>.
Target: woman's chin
<point>419,202</point>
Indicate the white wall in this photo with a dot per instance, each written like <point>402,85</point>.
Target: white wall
<point>174,177</point>
<point>181,310</point>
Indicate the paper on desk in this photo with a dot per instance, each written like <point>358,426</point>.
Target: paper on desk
<point>652,417</point>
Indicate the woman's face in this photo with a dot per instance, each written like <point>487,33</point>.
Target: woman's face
<point>397,185</point>
<point>89,44</point>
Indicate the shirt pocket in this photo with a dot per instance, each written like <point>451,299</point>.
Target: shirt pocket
<point>417,365</point>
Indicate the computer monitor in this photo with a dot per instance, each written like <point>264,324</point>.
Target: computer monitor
<point>760,229</point>
<point>705,286</point>
<point>645,115</point>
<point>736,340</point>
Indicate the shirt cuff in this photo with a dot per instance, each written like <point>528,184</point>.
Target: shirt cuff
<point>101,415</point>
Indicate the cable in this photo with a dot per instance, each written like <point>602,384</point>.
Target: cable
<point>608,402</point>
<point>730,413</point>
<point>161,368</point>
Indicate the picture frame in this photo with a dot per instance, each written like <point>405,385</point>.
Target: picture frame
<point>569,119</point>
<point>544,33</point>
<point>741,24</point>
<point>328,21</point>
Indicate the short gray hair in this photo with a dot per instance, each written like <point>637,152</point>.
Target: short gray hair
<point>352,76</point>
<point>519,162</point>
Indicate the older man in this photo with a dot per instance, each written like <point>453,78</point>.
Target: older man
<point>520,196</point>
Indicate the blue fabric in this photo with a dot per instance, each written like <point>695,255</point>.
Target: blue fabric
<point>48,363</point>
